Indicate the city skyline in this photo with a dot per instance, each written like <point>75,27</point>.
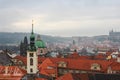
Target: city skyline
<point>60,17</point>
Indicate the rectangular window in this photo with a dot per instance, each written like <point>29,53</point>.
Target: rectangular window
<point>50,67</point>
<point>70,71</point>
<point>31,70</point>
<point>31,54</point>
<point>77,71</point>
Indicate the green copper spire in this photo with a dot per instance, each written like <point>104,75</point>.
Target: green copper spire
<point>32,40</point>
<point>32,33</point>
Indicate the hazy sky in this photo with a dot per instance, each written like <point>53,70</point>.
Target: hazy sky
<point>60,17</point>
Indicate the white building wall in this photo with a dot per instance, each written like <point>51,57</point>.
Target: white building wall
<point>34,67</point>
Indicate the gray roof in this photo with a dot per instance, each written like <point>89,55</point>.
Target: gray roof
<point>4,59</point>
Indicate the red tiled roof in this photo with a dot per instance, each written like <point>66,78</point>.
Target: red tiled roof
<point>41,59</point>
<point>75,55</point>
<point>9,77</point>
<point>82,64</point>
<point>12,70</point>
<point>11,73</point>
<point>47,67</point>
<point>115,66</point>
<point>23,59</point>
<point>113,60</point>
<point>66,77</point>
<point>100,56</point>
<point>85,57</point>
<point>40,79</point>
<point>43,72</point>
<point>70,76</point>
<point>73,64</point>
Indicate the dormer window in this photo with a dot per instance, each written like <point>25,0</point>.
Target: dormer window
<point>62,64</point>
<point>95,66</point>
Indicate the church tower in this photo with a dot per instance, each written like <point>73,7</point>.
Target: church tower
<point>32,58</point>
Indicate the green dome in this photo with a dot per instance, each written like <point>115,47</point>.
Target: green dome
<point>40,44</point>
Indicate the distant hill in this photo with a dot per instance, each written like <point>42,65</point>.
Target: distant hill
<point>101,37</point>
<point>16,38</point>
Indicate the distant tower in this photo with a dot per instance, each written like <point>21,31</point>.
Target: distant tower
<point>73,46</point>
<point>23,47</point>
<point>32,58</point>
<point>25,40</point>
<point>74,42</point>
<point>111,35</point>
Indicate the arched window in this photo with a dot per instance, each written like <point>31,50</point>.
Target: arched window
<point>41,51</point>
<point>31,61</point>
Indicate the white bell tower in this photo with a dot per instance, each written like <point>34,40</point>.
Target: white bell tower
<point>32,62</point>
<point>32,58</point>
